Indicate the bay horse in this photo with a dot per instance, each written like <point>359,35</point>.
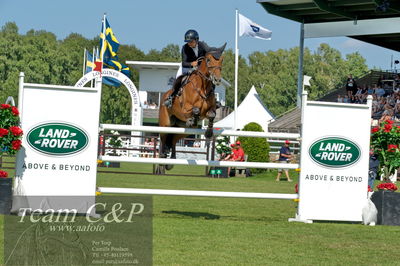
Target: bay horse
<point>194,102</point>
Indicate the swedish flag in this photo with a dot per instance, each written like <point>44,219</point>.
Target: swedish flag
<point>109,46</point>
<point>89,62</point>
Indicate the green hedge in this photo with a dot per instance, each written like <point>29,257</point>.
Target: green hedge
<point>257,149</point>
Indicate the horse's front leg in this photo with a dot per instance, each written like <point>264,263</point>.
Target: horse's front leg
<point>195,115</point>
<point>210,116</point>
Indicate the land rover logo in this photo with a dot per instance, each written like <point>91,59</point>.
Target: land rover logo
<point>57,139</point>
<point>334,152</point>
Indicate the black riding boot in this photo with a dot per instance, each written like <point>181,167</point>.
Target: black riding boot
<point>168,102</point>
<point>177,85</point>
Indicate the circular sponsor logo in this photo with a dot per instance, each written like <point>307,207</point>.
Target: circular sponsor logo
<point>57,138</point>
<point>335,152</point>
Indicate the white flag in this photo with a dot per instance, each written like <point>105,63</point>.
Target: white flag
<point>306,80</point>
<point>249,28</point>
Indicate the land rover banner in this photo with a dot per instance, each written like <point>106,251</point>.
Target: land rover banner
<point>59,153</point>
<point>334,161</point>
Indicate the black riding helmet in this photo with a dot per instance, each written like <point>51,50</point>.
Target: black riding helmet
<point>191,35</point>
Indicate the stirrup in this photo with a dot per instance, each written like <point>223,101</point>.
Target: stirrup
<point>168,102</point>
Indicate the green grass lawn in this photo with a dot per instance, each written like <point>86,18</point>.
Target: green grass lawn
<point>227,231</point>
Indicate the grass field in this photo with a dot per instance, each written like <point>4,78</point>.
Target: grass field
<point>225,231</point>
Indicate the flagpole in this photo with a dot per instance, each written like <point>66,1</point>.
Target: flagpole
<point>236,68</point>
<point>93,60</point>
<point>84,62</point>
<point>99,81</point>
<point>103,40</point>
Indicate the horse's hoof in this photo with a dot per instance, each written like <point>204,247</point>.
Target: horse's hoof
<point>189,122</point>
<point>209,133</point>
<point>169,167</point>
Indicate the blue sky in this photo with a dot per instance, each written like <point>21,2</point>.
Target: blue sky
<point>156,23</point>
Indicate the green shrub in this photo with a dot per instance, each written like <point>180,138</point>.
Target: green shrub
<point>257,149</point>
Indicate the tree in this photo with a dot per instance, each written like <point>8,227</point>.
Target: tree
<point>46,60</point>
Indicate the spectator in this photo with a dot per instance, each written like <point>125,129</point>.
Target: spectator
<point>359,91</point>
<point>196,144</point>
<point>373,169</point>
<point>339,99</point>
<point>380,91</point>
<point>239,152</point>
<point>371,90</point>
<point>350,85</point>
<point>229,156</point>
<point>284,157</point>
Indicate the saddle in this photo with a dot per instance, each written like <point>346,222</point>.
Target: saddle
<point>179,83</point>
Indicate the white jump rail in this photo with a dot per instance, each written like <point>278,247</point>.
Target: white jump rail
<point>197,193</point>
<point>198,162</point>
<point>197,131</point>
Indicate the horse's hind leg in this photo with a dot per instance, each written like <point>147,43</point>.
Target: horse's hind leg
<point>164,121</point>
<point>174,140</point>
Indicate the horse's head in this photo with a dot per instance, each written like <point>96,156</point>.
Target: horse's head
<point>213,60</point>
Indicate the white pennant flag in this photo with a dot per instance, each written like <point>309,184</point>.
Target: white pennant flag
<point>249,28</point>
<point>306,80</point>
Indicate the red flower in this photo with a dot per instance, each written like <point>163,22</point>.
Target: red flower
<point>392,147</point>
<point>4,106</point>
<point>16,131</point>
<point>374,130</point>
<point>16,144</point>
<point>388,127</point>
<point>369,189</point>
<point>3,132</point>
<point>389,121</point>
<point>3,174</point>
<point>387,186</point>
<point>296,188</point>
<point>14,110</point>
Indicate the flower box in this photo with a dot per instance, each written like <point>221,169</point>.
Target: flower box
<point>5,195</point>
<point>388,205</point>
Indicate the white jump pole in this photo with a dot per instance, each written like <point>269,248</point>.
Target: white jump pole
<point>198,162</point>
<point>195,193</point>
<point>196,131</point>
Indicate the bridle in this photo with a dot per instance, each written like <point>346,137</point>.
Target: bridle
<point>210,70</point>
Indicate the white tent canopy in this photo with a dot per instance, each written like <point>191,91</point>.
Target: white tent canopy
<point>251,109</point>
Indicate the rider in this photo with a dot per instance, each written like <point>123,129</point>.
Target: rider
<point>191,51</point>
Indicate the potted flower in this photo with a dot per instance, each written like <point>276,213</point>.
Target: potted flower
<point>10,143</point>
<point>385,141</point>
<point>222,146</point>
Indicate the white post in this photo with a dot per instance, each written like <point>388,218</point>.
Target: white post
<point>20,92</point>
<point>236,69</point>
<point>304,97</point>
